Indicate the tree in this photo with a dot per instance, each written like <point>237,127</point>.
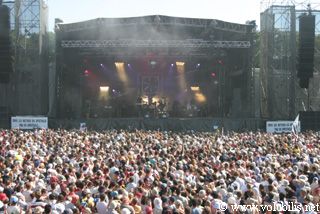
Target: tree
<point>51,46</point>
<point>256,51</point>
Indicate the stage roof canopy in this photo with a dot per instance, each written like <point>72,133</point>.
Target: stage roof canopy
<point>154,20</point>
<point>154,31</point>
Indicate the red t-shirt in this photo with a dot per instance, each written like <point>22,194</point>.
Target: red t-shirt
<point>3,197</point>
<point>74,197</point>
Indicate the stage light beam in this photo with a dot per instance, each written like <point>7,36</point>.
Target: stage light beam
<point>104,93</point>
<point>181,75</point>
<point>200,97</point>
<point>121,69</point>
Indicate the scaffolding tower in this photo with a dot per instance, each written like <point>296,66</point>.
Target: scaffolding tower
<point>28,90</point>
<point>282,98</point>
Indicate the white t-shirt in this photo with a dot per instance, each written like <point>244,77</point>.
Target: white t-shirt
<point>102,207</point>
<point>27,195</point>
<point>59,207</point>
<point>131,186</point>
<point>13,210</point>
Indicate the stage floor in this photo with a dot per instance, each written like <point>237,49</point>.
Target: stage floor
<point>170,124</point>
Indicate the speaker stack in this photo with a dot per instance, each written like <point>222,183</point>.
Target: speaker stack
<point>310,120</point>
<point>306,49</point>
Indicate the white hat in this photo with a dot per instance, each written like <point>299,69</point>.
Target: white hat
<point>202,193</point>
<point>38,210</point>
<point>304,178</point>
<point>285,183</point>
<point>235,185</point>
<point>232,200</point>
<point>125,211</point>
<point>157,203</point>
<point>113,205</point>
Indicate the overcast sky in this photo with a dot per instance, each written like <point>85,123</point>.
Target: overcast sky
<point>238,11</point>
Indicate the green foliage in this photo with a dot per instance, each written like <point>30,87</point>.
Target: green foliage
<point>51,46</point>
<point>256,51</point>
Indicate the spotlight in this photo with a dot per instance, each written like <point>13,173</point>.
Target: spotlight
<point>121,70</point>
<point>101,65</point>
<point>180,67</point>
<point>118,64</point>
<point>172,64</point>
<point>86,72</point>
<point>198,65</point>
<point>113,90</point>
<point>104,88</point>
<point>129,65</point>
<point>213,74</point>
<point>180,63</point>
<point>195,88</point>
<point>153,62</point>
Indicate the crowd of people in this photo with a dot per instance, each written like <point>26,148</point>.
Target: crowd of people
<point>47,171</point>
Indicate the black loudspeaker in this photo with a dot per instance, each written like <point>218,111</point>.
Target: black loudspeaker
<point>5,45</point>
<point>306,49</point>
<point>310,120</point>
<point>304,82</point>
<point>4,112</point>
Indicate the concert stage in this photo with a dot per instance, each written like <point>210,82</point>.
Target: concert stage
<point>155,66</point>
<point>169,124</point>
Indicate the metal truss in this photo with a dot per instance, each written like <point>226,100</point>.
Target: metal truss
<point>28,24</point>
<point>26,17</point>
<point>156,20</point>
<point>193,43</point>
<point>28,13</point>
<point>279,27</point>
<point>278,52</point>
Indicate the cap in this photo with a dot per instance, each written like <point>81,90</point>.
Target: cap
<point>114,194</point>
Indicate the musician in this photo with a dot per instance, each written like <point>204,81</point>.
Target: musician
<point>139,106</point>
<point>176,108</point>
<point>161,105</point>
<point>139,100</point>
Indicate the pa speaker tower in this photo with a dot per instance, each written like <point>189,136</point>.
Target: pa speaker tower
<point>306,49</point>
<point>5,47</point>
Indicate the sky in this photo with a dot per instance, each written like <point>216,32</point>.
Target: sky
<point>238,11</point>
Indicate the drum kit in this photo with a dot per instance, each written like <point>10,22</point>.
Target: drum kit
<point>150,109</point>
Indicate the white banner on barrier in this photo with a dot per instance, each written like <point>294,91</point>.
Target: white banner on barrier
<point>29,122</point>
<point>83,127</point>
<point>280,126</point>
